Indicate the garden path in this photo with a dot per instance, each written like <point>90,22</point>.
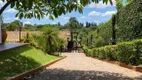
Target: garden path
<point>79,67</point>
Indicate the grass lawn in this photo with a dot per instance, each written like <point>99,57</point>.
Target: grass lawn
<point>21,59</point>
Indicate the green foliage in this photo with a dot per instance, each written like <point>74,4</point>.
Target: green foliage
<point>87,34</point>
<point>128,26</point>
<point>16,61</point>
<point>102,34</point>
<point>30,39</point>
<point>48,41</point>
<point>15,25</point>
<point>53,8</point>
<point>56,53</point>
<point>86,50</point>
<point>73,24</point>
<point>122,3</point>
<point>119,4</point>
<point>51,39</point>
<point>98,42</point>
<point>106,52</point>
<point>29,27</point>
<point>129,22</point>
<point>129,1</point>
<point>126,52</point>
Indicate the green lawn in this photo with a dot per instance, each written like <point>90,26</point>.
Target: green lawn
<point>21,59</point>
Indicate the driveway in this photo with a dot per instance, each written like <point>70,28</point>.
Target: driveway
<point>79,67</point>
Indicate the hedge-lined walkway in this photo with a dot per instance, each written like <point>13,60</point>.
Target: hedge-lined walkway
<point>79,67</point>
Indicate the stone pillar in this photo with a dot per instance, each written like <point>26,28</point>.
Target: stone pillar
<point>0,32</point>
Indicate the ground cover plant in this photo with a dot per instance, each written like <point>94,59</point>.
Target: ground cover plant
<point>15,61</point>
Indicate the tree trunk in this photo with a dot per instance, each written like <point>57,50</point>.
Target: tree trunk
<point>113,30</point>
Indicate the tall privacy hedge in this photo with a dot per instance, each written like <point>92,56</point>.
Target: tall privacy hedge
<point>129,22</point>
<point>126,52</point>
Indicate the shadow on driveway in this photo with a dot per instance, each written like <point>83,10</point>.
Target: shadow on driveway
<point>61,74</point>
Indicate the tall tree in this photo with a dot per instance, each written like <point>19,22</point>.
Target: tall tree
<point>15,25</point>
<point>59,24</point>
<point>122,3</point>
<point>29,27</point>
<point>119,4</point>
<point>113,30</point>
<point>73,23</point>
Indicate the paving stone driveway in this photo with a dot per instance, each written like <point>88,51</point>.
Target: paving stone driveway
<point>79,67</point>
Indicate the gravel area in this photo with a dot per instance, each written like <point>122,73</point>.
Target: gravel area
<point>79,67</point>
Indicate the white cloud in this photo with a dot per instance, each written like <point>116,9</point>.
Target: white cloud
<point>94,13</point>
<point>101,5</point>
<point>108,13</point>
<point>98,22</point>
<point>83,17</point>
<point>66,18</point>
<point>53,23</point>
<point>46,16</point>
<point>16,18</point>
<point>1,3</point>
<point>6,19</point>
<point>29,19</point>
<point>10,19</point>
<point>27,22</point>
<point>11,11</point>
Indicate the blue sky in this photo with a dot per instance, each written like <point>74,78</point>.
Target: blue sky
<point>92,13</point>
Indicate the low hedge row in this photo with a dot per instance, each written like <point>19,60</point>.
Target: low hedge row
<point>126,52</point>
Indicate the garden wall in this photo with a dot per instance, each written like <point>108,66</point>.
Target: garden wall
<point>13,36</point>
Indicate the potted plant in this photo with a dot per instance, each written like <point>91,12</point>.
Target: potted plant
<point>3,35</point>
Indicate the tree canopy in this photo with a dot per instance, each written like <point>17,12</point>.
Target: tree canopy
<point>51,8</point>
<point>73,24</point>
<point>122,3</point>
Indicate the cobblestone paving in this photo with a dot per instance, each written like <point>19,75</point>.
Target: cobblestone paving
<point>79,67</point>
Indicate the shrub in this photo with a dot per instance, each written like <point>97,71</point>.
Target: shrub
<point>110,52</point>
<point>87,51</point>
<point>126,52</point>
<point>56,54</point>
<point>41,42</point>
<point>138,47</point>
<point>48,42</point>
<point>107,52</point>
<point>29,39</point>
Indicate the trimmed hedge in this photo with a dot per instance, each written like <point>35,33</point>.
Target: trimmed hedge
<point>126,52</point>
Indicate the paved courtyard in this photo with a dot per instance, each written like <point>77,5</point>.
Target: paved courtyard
<point>79,67</point>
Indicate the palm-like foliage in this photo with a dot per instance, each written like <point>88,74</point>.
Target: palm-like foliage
<point>50,35</point>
